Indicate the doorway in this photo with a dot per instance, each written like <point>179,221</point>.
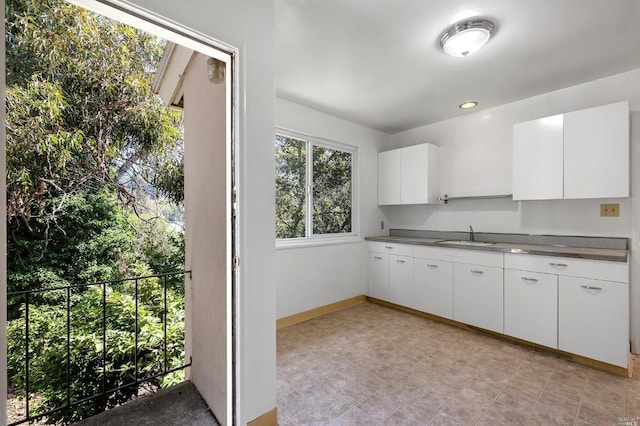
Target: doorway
<point>210,176</point>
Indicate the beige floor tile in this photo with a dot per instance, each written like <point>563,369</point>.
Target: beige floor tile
<point>354,417</point>
<point>401,417</point>
<point>467,406</point>
<point>444,420</point>
<point>370,365</point>
<point>500,414</point>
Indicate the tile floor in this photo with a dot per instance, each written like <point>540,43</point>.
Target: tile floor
<point>370,365</point>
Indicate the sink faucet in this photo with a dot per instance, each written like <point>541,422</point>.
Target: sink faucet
<point>472,235</point>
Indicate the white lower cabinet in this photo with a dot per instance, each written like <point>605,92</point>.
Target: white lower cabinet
<point>531,306</point>
<point>593,319</point>
<point>478,296</point>
<point>378,268</point>
<point>401,280</point>
<point>579,306</point>
<point>433,287</point>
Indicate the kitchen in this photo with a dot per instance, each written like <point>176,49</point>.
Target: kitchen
<point>475,161</point>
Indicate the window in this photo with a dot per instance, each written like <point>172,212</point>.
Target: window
<point>314,188</point>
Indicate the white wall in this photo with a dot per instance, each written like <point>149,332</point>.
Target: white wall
<point>310,277</point>
<point>475,159</point>
<point>206,219</point>
<point>248,25</point>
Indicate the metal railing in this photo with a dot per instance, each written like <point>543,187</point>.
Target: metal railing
<point>137,379</point>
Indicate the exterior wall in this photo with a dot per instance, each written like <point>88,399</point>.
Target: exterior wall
<point>308,277</point>
<point>206,206</point>
<point>247,25</point>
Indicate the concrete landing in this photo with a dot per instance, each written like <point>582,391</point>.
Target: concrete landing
<point>178,405</point>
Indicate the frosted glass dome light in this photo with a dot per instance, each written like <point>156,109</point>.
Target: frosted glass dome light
<point>465,38</point>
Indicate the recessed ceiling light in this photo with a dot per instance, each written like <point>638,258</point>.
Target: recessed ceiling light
<point>466,37</point>
<point>468,105</point>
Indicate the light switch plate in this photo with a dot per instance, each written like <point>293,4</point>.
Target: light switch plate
<point>609,210</point>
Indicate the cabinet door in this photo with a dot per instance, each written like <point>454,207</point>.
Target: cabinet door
<point>478,296</point>
<point>537,159</point>
<point>596,152</point>
<point>378,275</point>
<point>389,175</point>
<point>419,174</point>
<point>401,280</point>
<point>433,287</point>
<point>531,307</point>
<point>593,319</point>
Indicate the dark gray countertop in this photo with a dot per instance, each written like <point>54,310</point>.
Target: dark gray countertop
<point>595,253</point>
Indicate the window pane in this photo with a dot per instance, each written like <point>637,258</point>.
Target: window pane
<point>331,191</point>
<point>291,157</point>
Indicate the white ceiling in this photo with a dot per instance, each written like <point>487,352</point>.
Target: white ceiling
<point>379,63</point>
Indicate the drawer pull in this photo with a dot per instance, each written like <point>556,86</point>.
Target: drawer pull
<point>476,272</point>
<point>432,266</point>
<point>377,257</point>
<point>401,261</point>
<point>530,280</point>
<point>389,247</point>
<point>558,265</point>
<point>588,287</point>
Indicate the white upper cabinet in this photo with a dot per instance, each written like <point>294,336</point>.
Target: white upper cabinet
<point>408,175</point>
<point>596,152</point>
<point>389,180</point>
<point>537,159</point>
<point>581,154</point>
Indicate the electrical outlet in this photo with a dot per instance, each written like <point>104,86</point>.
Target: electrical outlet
<point>609,210</point>
<point>382,224</point>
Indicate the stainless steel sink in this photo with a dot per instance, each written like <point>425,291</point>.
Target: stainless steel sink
<point>466,243</point>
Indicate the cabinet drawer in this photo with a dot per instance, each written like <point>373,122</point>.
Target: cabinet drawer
<point>565,266</point>
<point>391,248</point>
<point>472,257</point>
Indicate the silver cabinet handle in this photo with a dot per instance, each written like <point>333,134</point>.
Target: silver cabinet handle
<point>476,272</point>
<point>558,265</point>
<point>401,261</point>
<point>377,257</point>
<point>588,287</point>
<point>530,280</point>
<point>432,266</point>
<point>389,247</point>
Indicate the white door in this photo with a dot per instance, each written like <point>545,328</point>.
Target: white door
<point>531,307</point>
<point>478,296</point>
<point>593,319</point>
<point>537,159</point>
<point>596,152</point>
<point>389,175</point>
<point>378,266</point>
<point>433,287</point>
<point>401,280</point>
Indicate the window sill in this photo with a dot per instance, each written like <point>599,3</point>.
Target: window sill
<point>316,242</point>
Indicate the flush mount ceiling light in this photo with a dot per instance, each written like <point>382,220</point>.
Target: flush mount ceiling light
<point>464,38</point>
<point>467,105</point>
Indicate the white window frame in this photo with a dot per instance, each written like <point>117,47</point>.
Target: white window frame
<point>311,239</point>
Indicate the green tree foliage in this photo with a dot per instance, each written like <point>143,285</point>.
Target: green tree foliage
<point>80,111</point>
<point>101,242</point>
<point>88,374</point>
<point>331,182</point>
<point>291,159</point>
<point>85,137</point>
<point>332,192</point>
